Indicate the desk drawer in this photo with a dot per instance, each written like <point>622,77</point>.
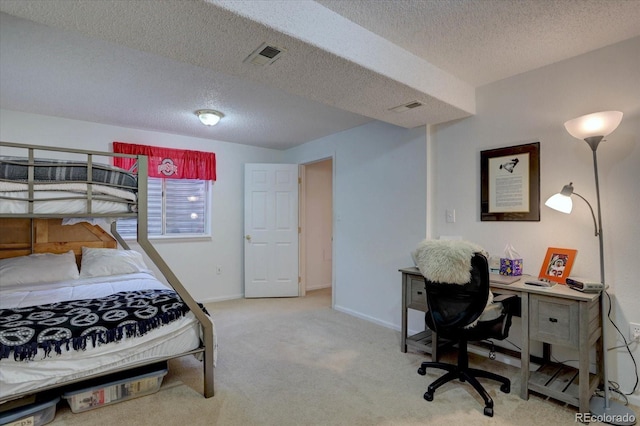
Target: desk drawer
<point>554,320</point>
<point>416,296</point>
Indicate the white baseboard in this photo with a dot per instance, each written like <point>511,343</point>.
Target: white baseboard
<point>223,298</point>
<point>318,287</point>
<point>365,317</point>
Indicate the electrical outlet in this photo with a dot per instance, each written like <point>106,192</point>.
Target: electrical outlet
<point>634,331</point>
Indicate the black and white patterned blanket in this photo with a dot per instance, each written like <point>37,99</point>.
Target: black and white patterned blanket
<point>17,169</point>
<point>79,323</point>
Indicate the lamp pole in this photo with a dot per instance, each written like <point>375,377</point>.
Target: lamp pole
<point>593,143</point>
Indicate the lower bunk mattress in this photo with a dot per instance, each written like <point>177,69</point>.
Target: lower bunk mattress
<point>46,366</point>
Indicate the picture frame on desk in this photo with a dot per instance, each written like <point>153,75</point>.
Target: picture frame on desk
<point>510,183</point>
<point>557,264</point>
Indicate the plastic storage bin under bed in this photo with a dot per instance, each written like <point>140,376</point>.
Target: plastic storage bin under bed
<point>115,391</point>
<point>36,414</point>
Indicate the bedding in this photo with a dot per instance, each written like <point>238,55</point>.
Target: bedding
<point>173,338</point>
<point>87,323</point>
<point>17,169</point>
<point>100,262</point>
<point>64,198</point>
<point>60,187</point>
<point>38,268</point>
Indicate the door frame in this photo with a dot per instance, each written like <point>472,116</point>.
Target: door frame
<point>302,202</point>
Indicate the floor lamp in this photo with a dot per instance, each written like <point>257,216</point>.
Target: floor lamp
<point>592,128</point>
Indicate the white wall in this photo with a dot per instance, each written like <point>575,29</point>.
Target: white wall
<point>193,262</point>
<point>533,107</point>
<point>379,213</point>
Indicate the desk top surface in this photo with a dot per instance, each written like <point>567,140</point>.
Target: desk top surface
<point>558,290</point>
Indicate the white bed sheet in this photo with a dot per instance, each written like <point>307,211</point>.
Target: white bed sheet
<point>62,206</point>
<point>26,376</point>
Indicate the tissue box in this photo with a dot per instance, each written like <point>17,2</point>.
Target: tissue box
<point>510,266</point>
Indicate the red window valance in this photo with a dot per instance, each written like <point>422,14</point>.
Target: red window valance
<point>169,163</point>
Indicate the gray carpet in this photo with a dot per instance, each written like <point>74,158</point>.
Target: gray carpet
<point>298,362</point>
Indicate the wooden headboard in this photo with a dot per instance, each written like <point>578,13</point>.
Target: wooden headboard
<point>49,236</point>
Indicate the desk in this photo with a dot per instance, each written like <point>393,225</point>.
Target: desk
<point>555,316</point>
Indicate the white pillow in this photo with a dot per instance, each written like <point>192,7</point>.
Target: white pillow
<point>100,262</point>
<point>38,268</point>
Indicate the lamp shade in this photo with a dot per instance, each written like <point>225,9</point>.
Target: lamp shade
<point>562,200</point>
<point>209,117</point>
<point>596,124</point>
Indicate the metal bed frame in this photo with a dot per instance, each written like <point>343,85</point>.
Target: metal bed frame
<point>207,346</point>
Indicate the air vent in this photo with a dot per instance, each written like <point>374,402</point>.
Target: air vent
<point>264,55</point>
<point>406,107</point>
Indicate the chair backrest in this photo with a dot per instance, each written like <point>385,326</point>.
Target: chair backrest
<point>454,306</point>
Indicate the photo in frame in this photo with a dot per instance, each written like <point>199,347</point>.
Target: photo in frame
<point>510,183</point>
<point>557,264</point>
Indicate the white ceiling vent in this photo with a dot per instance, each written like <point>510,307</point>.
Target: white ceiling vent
<point>264,55</point>
<point>406,107</point>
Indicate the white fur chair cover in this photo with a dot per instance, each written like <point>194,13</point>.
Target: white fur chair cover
<point>446,261</point>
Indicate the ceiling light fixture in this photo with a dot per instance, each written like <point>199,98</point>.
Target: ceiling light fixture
<point>209,117</point>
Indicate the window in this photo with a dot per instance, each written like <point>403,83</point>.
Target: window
<point>178,189</point>
<point>176,207</point>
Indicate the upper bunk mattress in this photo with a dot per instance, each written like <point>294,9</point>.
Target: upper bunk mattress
<point>17,169</point>
<point>61,187</point>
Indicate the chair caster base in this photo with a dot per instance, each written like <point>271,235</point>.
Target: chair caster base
<point>488,411</point>
<point>428,396</point>
<point>422,371</point>
<point>505,388</point>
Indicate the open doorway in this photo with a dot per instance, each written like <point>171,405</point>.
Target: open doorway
<point>316,222</point>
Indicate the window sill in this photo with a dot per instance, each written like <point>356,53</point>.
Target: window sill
<point>174,239</point>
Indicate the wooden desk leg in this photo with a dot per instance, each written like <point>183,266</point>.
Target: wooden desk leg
<point>525,354</point>
<point>403,335</point>
<point>583,368</point>
<point>546,352</point>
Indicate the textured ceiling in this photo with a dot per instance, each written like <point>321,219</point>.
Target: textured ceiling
<point>482,41</point>
<point>150,64</point>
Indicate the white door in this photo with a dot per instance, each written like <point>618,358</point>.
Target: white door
<point>271,230</point>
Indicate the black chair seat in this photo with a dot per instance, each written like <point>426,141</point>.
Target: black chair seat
<point>494,329</point>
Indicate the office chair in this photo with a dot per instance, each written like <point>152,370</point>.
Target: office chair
<point>455,314</point>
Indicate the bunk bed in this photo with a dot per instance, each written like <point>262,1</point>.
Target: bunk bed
<point>36,195</point>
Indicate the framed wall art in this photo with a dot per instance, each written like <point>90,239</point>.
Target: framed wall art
<point>557,264</point>
<point>510,183</point>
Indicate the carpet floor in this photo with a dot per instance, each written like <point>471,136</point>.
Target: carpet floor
<point>296,361</point>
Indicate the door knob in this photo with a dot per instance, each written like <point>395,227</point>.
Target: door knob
<point>247,237</point>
